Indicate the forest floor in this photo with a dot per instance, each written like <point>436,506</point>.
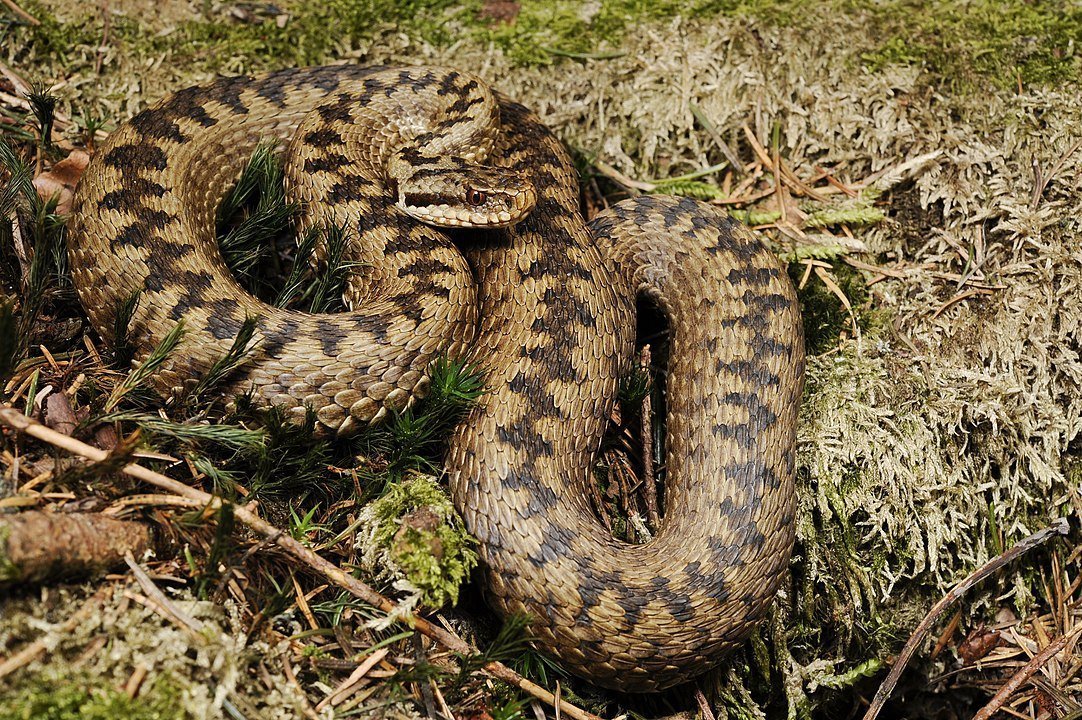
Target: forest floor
<point>918,165</point>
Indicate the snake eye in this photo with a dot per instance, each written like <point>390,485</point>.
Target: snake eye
<point>475,197</point>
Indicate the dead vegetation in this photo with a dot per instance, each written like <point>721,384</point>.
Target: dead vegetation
<point>933,230</point>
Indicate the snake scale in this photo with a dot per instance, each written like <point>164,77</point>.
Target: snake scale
<point>544,302</point>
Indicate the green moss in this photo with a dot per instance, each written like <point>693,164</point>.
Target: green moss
<point>824,315</point>
<point>80,699</point>
<point>414,530</point>
<point>1005,40</point>
<point>52,38</point>
<point>8,570</point>
<point>548,30</point>
<point>956,42</point>
<point>220,41</point>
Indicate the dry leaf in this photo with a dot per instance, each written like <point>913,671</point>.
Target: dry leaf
<point>499,11</point>
<point>61,179</point>
<point>977,644</point>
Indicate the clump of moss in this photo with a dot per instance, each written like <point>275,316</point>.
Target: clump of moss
<point>413,534</point>
<point>543,32</point>
<point>65,698</point>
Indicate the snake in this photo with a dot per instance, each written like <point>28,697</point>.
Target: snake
<point>467,238</point>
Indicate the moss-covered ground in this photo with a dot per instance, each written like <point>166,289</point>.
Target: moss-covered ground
<point>941,420</point>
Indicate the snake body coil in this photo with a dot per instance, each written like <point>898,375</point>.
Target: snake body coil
<point>548,311</point>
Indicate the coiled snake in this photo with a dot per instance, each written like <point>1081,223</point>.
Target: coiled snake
<point>545,303</point>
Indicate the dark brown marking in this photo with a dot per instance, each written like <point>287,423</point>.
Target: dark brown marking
<point>134,190</point>
<point>323,137</point>
<point>135,157</point>
<point>327,163</point>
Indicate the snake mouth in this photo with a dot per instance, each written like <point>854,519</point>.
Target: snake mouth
<point>500,210</point>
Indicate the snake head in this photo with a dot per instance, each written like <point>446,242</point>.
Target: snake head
<point>454,195</point>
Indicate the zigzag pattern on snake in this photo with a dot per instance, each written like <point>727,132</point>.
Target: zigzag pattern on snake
<point>546,304</point>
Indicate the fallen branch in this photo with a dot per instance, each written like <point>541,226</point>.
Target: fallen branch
<point>36,546</point>
<point>1059,527</point>
<point>15,419</point>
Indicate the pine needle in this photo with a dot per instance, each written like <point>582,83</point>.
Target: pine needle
<point>224,481</point>
<point>253,216</point>
<point>455,384</point>
<point>414,438</point>
<point>19,183</point>
<point>122,347</point>
<point>230,436</point>
<point>292,459</point>
<point>299,273</point>
<point>43,232</point>
<point>9,338</point>
<point>325,294</point>
<point>207,577</point>
<point>238,353</point>
<point>146,368</point>
<point>510,642</point>
<point>43,107</point>
<point>634,386</point>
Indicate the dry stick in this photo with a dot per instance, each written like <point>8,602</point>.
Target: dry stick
<point>21,13</point>
<point>193,625</point>
<point>704,706</point>
<point>15,419</point>
<point>1041,181</point>
<point>106,26</point>
<point>291,676</point>
<point>613,174</point>
<point>649,487</point>
<point>1059,527</point>
<point>734,160</point>
<point>959,298</point>
<point>425,688</point>
<point>1025,673</point>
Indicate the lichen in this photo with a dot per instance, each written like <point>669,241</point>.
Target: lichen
<point>186,676</point>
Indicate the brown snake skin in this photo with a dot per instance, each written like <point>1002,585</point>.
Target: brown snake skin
<point>548,310</point>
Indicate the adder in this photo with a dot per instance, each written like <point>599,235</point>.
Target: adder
<point>545,302</point>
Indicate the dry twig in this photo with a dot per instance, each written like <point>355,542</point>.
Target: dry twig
<point>648,484</point>
<point>613,174</point>
<point>20,13</point>
<point>959,298</point>
<point>1041,181</point>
